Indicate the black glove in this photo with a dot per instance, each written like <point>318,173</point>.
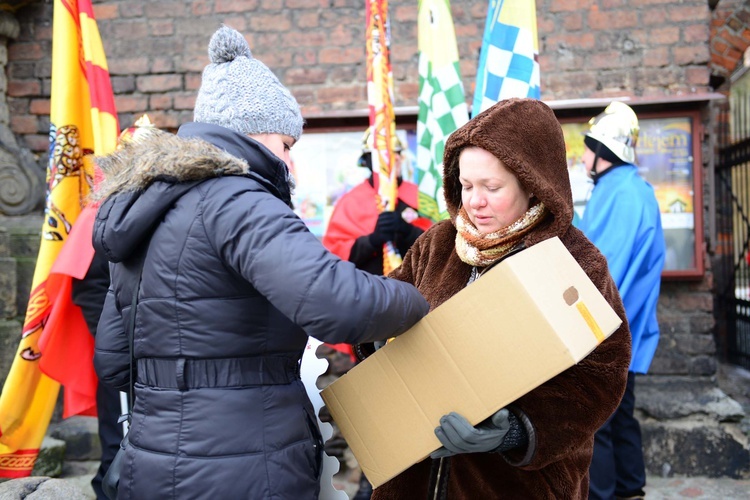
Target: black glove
<point>403,227</point>
<point>457,435</point>
<point>385,228</point>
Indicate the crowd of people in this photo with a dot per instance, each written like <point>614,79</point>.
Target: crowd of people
<point>220,283</point>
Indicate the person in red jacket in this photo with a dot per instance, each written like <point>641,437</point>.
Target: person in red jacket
<point>358,230</point>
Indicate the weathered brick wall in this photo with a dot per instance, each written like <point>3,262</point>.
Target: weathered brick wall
<point>156,50</point>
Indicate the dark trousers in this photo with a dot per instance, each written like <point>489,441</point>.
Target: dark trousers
<point>110,432</point>
<point>618,469</point>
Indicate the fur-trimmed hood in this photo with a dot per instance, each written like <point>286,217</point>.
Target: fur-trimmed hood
<point>144,178</point>
<point>525,135</point>
<point>199,151</point>
<point>166,157</point>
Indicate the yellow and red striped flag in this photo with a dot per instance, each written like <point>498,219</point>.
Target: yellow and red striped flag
<point>56,346</point>
<point>382,116</point>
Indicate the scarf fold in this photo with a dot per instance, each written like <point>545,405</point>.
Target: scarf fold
<point>479,249</point>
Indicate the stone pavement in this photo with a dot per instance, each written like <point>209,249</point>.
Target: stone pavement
<point>74,485</point>
<point>702,488</point>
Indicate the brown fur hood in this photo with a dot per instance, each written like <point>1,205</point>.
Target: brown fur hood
<point>526,136</point>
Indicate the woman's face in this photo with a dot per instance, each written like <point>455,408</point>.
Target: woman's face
<point>490,193</point>
<point>278,144</point>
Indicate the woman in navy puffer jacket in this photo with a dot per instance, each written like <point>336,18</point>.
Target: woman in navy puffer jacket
<point>232,285</point>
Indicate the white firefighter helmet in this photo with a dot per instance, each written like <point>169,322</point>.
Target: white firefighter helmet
<point>617,129</point>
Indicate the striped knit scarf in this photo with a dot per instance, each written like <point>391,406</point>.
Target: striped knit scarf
<point>480,250</point>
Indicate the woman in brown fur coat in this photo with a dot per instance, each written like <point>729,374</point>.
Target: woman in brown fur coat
<point>507,188</point>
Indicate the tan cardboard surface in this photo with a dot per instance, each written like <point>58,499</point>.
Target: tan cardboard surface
<point>524,321</point>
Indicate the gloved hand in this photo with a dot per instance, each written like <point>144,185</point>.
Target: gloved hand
<point>458,436</point>
<point>385,228</point>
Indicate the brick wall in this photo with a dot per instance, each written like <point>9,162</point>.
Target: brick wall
<point>156,50</point>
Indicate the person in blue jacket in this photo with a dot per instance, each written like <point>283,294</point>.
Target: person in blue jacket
<point>622,219</point>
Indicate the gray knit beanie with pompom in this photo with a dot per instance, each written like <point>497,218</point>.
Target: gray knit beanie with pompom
<point>240,93</point>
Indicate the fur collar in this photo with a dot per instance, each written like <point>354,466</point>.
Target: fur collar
<point>163,156</point>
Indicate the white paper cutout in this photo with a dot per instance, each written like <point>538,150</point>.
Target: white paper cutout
<point>311,368</point>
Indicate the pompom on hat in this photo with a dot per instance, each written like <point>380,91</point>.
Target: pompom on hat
<point>240,93</point>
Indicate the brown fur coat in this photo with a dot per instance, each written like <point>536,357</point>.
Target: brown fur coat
<point>562,415</point>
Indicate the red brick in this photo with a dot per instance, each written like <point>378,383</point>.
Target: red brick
<point>468,30</point>
<point>654,17</point>
<point>276,59</point>
<point>690,55</point>
<point>688,13</point>
<point>719,46</point>
<point>270,22</point>
<point>24,124</point>
<point>131,104</point>
<point>697,75</point>
<point>43,33</point>
<point>612,20</point>
<point>237,22</point>
<point>656,56</point>
<point>564,6</point>
<point>162,65</point>
<point>696,33</point>
<point>305,58</point>
<point>25,51</point>
<point>128,66</point>
<point>666,35</point>
<point>105,11</point>
<point>573,21</point>
<point>223,6</point>
<point>308,20</point>
<point>342,35</point>
<point>130,30</point>
<point>159,83</point>
<point>341,56</point>
<point>21,88</point>
<point>39,107</point>
<point>37,143</point>
<point>300,76</point>
<point>161,27</point>
<point>184,101</point>
<point>339,94</point>
<point>160,101</point>
<point>307,4</point>
<point>192,81</point>
<point>404,13</point>
<point>201,7</point>
<point>407,92</point>
<point>165,9</point>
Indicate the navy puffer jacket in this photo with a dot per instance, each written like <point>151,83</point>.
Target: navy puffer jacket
<point>232,285</point>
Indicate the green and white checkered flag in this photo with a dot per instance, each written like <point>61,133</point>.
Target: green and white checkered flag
<point>442,104</point>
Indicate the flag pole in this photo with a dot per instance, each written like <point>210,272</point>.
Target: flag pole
<point>382,116</point>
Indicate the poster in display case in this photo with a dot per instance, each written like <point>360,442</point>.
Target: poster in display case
<point>668,157</point>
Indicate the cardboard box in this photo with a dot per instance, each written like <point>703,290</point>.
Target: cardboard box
<point>524,321</point>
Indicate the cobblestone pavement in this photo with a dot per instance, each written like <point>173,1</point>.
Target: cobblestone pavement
<point>658,488</point>
<point>702,488</point>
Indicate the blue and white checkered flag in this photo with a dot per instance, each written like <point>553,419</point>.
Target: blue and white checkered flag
<point>508,61</point>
